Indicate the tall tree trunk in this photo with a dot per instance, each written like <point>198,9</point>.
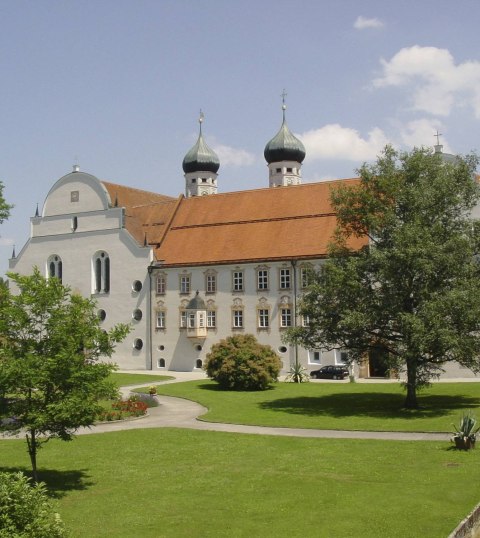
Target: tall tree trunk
<point>32,451</point>
<point>411,399</point>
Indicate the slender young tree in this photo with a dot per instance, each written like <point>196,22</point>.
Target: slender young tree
<point>413,291</point>
<point>51,375</point>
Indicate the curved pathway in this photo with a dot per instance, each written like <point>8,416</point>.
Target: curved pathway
<point>180,413</point>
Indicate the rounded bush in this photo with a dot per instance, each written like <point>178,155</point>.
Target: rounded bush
<point>241,363</point>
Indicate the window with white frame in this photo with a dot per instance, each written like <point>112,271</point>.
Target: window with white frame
<point>237,280</point>
<point>237,318</point>
<point>185,283</point>
<point>263,318</point>
<point>285,316</point>
<point>54,267</point>
<point>161,284</point>
<point>262,279</point>
<point>341,356</point>
<point>314,356</point>
<point>211,319</point>
<point>183,319</point>
<point>210,283</point>
<point>305,277</point>
<point>101,272</point>
<point>305,320</point>
<point>160,319</point>
<point>191,320</point>
<point>285,279</point>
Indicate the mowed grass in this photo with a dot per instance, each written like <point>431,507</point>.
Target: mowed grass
<point>186,483</point>
<point>340,406</point>
<point>124,379</point>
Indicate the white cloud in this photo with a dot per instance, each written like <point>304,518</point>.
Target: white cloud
<point>336,142</point>
<point>362,22</point>
<point>6,242</point>
<point>437,84</point>
<point>421,132</point>
<point>233,156</point>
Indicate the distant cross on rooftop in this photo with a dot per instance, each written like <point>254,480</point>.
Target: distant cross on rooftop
<point>283,95</point>
<point>284,106</point>
<point>438,135</point>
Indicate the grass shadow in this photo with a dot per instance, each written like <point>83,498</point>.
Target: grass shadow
<point>58,482</point>
<point>215,387</point>
<point>370,404</point>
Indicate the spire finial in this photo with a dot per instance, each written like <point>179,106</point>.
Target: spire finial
<point>284,106</point>
<point>201,117</point>
<point>13,252</point>
<point>36,211</point>
<point>76,166</point>
<point>438,146</point>
<point>145,242</point>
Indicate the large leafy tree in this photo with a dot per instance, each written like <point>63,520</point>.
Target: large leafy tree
<point>413,291</point>
<point>51,375</point>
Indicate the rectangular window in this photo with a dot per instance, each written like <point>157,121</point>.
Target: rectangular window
<point>183,319</point>
<point>211,284</point>
<point>285,317</point>
<point>314,356</point>
<point>263,315</point>
<point>284,279</point>
<point>160,319</point>
<point>262,279</point>
<point>238,281</point>
<point>305,320</point>
<point>201,320</point>
<point>305,277</point>
<point>185,284</point>
<point>238,319</point>
<point>161,285</point>
<point>211,319</point>
<point>341,356</point>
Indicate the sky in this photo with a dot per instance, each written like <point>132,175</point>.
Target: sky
<point>116,86</point>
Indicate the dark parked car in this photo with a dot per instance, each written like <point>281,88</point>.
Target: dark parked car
<point>330,372</point>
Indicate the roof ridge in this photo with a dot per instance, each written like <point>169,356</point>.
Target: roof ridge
<point>135,189</point>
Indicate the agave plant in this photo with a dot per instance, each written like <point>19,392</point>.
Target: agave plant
<point>297,374</point>
<point>466,434</point>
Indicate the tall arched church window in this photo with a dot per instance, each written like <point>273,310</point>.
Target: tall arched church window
<point>54,267</point>
<point>101,272</point>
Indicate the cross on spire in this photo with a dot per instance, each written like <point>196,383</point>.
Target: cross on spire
<point>284,106</point>
<point>438,135</point>
<point>201,117</point>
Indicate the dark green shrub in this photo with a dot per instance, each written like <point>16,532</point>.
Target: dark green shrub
<point>241,363</point>
<point>25,509</point>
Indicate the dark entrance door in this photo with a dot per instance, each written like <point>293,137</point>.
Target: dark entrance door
<point>377,363</point>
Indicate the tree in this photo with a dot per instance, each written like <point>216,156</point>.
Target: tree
<point>412,291</point>
<point>240,362</point>
<point>51,377</point>
<point>25,510</point>
<point>4,207</point>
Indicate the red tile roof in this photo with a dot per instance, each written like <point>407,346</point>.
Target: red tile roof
<point>295,222</point>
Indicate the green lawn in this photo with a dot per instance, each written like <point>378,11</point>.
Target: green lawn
<point>349,406</point>
<point>185,483</point>
<point>124,379</point>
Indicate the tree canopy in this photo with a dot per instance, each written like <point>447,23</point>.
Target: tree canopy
<point>51,376</point>
<point>412,292</point>
<point>4,207</point>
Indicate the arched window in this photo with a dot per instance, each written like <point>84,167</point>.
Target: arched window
<point>101,272</point>
<point>54,267</point>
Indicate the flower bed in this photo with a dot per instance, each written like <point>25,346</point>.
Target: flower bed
<point>122,409</point>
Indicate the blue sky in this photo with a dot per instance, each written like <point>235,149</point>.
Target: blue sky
<point>118,85</point>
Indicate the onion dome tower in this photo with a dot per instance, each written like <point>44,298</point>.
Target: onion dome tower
<point>200,166</point>
<point>284,155</point>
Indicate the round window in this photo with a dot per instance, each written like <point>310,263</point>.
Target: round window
<point>161,348</point>
<point>137,285</point>
<point>138,343</point>
<point>282,349</point>
<point>198,347</point>
<point>137,314</point>
<point>101,314</point>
